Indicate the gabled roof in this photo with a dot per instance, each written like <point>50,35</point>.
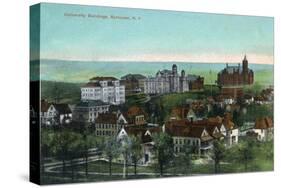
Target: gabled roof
<point>135,111</point>
<point>62,108</point>
<point>91,103</point>
<point>107,118</point>
<point>92,84</point>
<point>193,77</point>
<point>263,123</point>
<point>141,132</point>
<point>197,132</point>
<point>104,78</point>
<point>133,77</point>
<point>227,122</point>
<point>180,130</point>
<point>44,106</point>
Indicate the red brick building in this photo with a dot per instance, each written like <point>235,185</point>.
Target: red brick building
<point>232,78</point>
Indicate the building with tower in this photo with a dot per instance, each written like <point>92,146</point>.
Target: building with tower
<point>167,81</point>
<point>232,78</point>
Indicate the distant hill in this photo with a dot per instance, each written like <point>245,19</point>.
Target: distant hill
<point>64,92</point>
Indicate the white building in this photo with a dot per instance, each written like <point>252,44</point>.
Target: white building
<point>106,89</point>
<point>166,81</point>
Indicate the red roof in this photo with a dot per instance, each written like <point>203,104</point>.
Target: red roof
<point>263,123</point>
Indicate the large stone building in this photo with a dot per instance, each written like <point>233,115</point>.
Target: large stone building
<point>134,83</point>
<point>106,89</point>
<point>88,111</point>
<point>195,82</point>
<point>232,78</point>
<point>167,81</point>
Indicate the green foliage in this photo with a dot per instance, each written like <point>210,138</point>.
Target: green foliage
<point>211,90</point>
<point>255,111</point>
<point>183,162</point>
<point>136,151</point>
<point>218,154</point>
<point>163,150</point>
<point>111,149</point>
<point>243,152</point>
<point>61,92</point>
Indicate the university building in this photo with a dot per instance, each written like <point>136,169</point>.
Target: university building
<point>106,89</point>
<point>232,79</point>
<point>167,81</point>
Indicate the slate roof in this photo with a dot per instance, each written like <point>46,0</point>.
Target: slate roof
<point>135,111</point>
<point>91,103</point>
<point>107,118</point>
<point>92,84</point>
<point>140,132</point>
<point>104,78</point>
<point>62,108</point>
<point>133,77</point>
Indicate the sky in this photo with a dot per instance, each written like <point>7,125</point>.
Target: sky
<point>89,33</point>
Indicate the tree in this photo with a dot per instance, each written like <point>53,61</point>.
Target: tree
<point>186,158</point>
<point>87,143</point>
<point>66,147</point>
<point>136,151</point>
<point>218,154</point>
<point>163,149</point>
<point>111,151</point>
<point>46,145</point>
<point>74,150</point>
<point>125,149</point>
<point>246,152</point>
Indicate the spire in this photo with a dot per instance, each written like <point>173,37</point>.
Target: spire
<point>245,57</point>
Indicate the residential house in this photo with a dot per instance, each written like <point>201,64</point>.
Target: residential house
<point>264,128</point>
<point>145,134</point>
<point>248,99</point>
<point>136,116</point>
<point>58,114</point>
<point>185,134</point>
<point>109,124</point>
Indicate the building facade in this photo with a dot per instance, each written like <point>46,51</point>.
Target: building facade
<point>195,82</point>
<point>167,81</point>
<point>88,111</point>
<point>236,75</point>
<point>134,83</point>
<point>106,89</point>
<point>109,124</point>
<point>232,79</point>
